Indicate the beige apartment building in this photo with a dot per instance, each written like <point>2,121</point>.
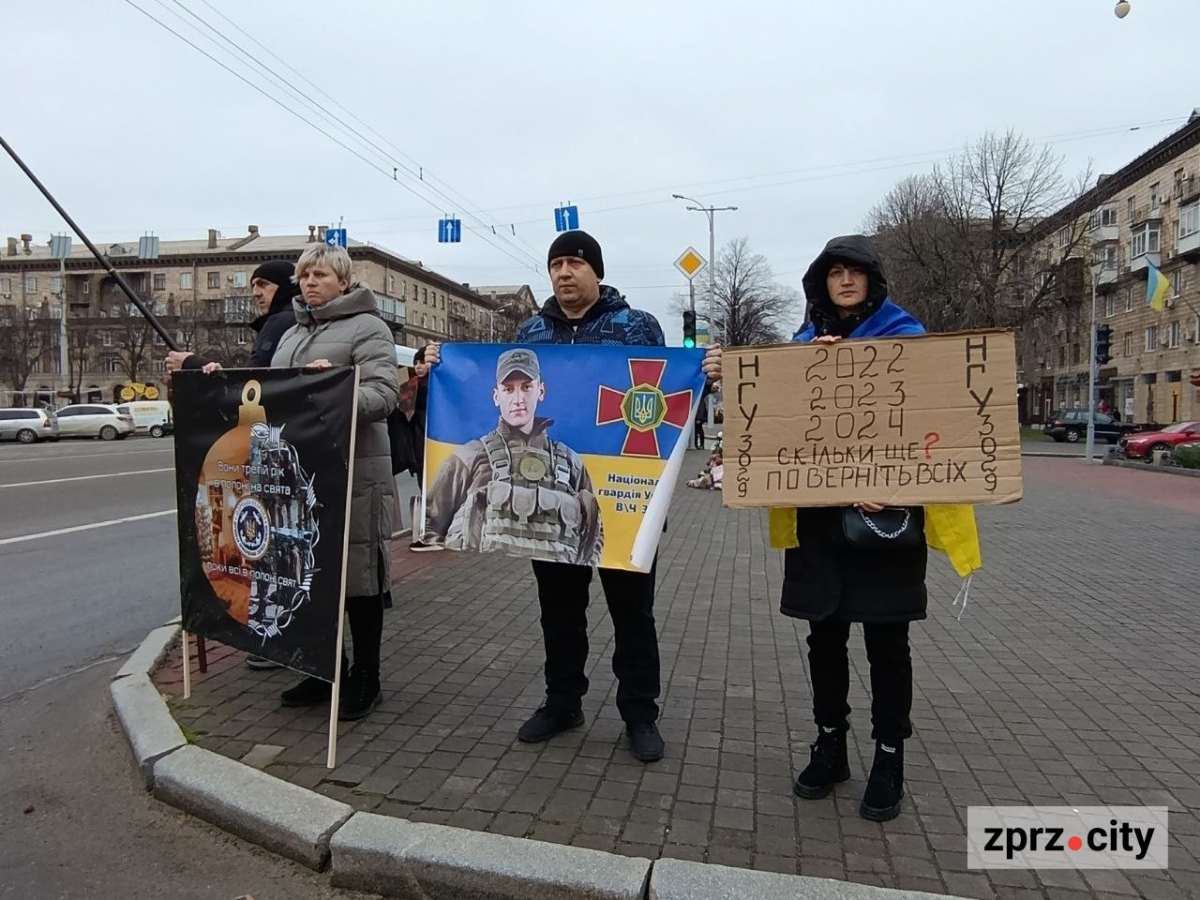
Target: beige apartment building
<point>1148,213</point>
<point>200,291</point>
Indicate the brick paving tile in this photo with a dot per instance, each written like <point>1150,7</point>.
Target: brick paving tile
<point>1037,695</point>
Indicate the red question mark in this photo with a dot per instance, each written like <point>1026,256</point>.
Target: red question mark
<point>930,439</point>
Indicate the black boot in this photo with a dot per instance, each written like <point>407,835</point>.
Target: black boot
<point>546,723</point>
<point>827,765</point>
<point>360,695</point>
<point>311,691</point>
<point>885,787</point>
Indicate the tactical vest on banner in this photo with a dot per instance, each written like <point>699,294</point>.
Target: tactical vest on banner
<point>529,502</point>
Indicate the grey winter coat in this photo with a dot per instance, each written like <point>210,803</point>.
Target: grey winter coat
<point>346,331</point>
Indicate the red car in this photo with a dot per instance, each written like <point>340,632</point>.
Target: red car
<point>1144,443</point>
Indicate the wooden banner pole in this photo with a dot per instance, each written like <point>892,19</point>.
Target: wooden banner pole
<point>335,700</point>
<point>187,667</point>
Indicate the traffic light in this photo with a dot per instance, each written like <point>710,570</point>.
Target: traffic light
<point>1103,344</point>
<point>689,328</point>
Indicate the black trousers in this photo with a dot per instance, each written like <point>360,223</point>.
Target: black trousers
<point>365,615</point>
<point>891,677</point>
<point>563,595</point>
<point>698,437</point>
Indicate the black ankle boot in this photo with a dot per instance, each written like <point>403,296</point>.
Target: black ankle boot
<point>827,765</point>
<point>360,695</point>
<point>885,787</point>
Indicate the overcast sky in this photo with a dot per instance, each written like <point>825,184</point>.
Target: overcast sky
<point>802,114</point>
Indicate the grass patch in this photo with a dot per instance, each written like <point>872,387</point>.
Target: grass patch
<point>1032,434</point>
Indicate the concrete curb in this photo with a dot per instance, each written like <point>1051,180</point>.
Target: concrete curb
<point>1151,467</point>
<point>150,652</point>
<point>413,859</point>
<point>148,724</point>
<point>674,879</point>
<point>290,820</point>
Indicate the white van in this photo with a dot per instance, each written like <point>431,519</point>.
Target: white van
<point>151,417</point>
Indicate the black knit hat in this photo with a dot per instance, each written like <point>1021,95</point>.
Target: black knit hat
<point>581,244</point>
<point>277,271</point>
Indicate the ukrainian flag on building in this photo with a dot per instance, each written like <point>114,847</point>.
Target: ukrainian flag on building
<point>1157,286</point>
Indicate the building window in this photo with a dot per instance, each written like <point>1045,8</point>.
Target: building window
<point>1173,335</point>
<point>55,284</point>
<point>1128,299</point>
<point>239,279</point>
<point>1189,219</point>
<point>1144,240</point>
<point>137,281</point>
<point>160,281</point>
<point>87,287</point>
<point>1151,339</point>
<point>30,284</point>
<point>1105,216</point>
<point>425,295</point>
<point>391,284</point>
<point>1127,345</point>
<point>106,338</point>
<point>1062,356</point>
<point>424,320</point>
<point>112,365</point>
<point>5,285</point>
<point>1129,208</point>
<point>185,281</point>
<point>1075,357</point>
<point>214,280</point>
<point>443,301</point>
<point>1110,306</point>
<point>1176,280</point>
<point>1064,237</point>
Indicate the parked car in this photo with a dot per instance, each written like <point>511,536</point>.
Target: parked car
<point>94,420</point>
<point>151,417</point>
<point>1071,425</point>
<point>1144,443</point>
<point>28,425</point>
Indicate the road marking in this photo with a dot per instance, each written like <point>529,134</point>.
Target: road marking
<point>66,456</point>
<point>74,528</point>
<point>86,477</point>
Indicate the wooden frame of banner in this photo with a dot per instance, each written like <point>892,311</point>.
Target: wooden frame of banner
<point>187,666</point>
<point>334,700</point>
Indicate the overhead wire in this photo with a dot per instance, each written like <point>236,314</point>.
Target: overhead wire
<point>317,127</point>
<point>422,170</point>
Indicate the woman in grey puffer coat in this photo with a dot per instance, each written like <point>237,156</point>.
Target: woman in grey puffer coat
<point>337,325</point>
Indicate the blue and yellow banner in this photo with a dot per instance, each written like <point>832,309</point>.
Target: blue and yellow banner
<point>562,453</point>
<point>1157,286</point>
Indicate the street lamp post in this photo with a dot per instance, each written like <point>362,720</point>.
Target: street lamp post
<point>712,252</point>
<point>507,307</point>
<point>1091,429</point>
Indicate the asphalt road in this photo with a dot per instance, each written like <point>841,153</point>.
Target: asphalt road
<point>88,566</point>
<point>88,563</point>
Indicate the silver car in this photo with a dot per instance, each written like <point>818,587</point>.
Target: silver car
<point>94,420</point>
<point>28,425</point>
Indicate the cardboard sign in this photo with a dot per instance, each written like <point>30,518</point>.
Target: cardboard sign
<point>900,421</point>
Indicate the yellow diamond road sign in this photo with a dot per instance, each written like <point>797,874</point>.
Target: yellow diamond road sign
<point>690,263</point>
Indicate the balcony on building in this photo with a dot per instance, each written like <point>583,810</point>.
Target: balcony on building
<point>1107,274</point>
<point>1138,265</point>
<point>1189,230</point>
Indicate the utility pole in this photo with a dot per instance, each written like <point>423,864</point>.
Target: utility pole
<point>60,249</point>
<point>1091,429</point>
<point>712,253</point>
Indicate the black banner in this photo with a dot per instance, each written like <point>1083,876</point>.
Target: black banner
<point>262,463</point>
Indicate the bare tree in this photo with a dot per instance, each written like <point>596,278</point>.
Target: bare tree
<point>960,243</point>
<point>748,306</point>
<point>22,342</point>
<point>134,337</point>
<point>81,334</point>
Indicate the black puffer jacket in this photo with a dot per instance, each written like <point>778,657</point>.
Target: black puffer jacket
<point>825,577</point>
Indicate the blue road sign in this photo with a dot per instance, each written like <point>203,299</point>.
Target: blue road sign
<point>566,218</point>
<point>336,237</point>
<point>449,231</point>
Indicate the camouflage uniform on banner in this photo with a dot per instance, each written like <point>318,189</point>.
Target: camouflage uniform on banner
<point>515,491</point>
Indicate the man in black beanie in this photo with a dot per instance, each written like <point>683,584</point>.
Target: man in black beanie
<point>273,290</point>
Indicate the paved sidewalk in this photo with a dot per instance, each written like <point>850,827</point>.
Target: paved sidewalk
<point>1072,679</point>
